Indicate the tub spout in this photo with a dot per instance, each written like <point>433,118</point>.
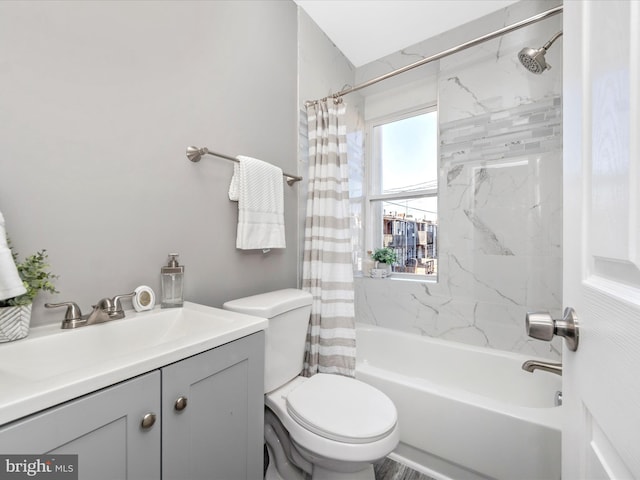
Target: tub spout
<point>531,365</point>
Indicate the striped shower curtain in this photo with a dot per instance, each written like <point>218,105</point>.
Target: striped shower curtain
<point>327,271</point>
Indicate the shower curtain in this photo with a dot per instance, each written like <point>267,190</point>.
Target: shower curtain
<point>327,271</point>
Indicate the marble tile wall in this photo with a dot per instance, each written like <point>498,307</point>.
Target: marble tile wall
<point>500,203</point>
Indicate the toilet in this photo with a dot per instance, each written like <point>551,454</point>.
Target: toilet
<point>331,427</point>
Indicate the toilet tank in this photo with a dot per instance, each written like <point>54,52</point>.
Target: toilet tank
<point>288,313</point>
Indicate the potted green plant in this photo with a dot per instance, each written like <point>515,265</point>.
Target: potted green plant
<point>384,257</point>
<point>15,312</point>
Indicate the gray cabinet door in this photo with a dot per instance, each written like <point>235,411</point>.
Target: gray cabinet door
<point>103,429</point>
<point>219,434</point>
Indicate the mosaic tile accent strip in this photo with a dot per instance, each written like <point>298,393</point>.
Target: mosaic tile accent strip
<point>523,130</point>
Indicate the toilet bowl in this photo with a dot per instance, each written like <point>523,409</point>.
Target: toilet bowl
<point>336,423</point>
<point>329,426</point>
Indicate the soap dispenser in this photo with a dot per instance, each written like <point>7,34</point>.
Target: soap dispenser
<point>172,276</point>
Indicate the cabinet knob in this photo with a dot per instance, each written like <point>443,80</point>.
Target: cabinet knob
<point>148,420</point>
<point>181,403</point>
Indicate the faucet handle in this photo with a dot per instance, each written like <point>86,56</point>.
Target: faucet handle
<point>73,311</point>
<point>117,306</point>
<point>105,304</point>
<point>73,315</point>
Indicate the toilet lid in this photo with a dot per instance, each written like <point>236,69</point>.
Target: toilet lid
<point>342,409</point>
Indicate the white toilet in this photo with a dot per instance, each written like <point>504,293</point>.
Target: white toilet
<point>329,426</point>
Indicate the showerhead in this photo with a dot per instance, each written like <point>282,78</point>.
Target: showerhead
<point>533,58</point>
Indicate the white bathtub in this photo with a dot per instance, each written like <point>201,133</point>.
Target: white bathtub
<point>465,412</point>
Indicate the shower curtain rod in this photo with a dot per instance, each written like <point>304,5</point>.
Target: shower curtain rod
<point>444,53</point>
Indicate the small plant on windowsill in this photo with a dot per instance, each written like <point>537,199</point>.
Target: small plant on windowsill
<point>385,255</point>
<point>385,258</point>
<point>15,312</point>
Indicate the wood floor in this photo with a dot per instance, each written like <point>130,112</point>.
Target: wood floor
<point>391,470</point>
<point>386,469</point>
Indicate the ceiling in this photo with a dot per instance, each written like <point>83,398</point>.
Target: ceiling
<point>366,30</point>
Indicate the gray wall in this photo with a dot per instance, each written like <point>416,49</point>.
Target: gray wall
<point>99,101</point>
<point>322,70</point>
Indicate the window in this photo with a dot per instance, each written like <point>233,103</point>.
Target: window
<point>403,190</point>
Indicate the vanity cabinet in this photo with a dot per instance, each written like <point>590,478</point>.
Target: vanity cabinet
<point>102,428</point>
<point>208,421</point>
<point>218,434</point>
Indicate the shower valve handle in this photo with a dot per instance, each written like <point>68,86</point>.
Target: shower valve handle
<point>541,326</point>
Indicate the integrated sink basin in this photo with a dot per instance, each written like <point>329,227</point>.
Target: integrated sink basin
<point>52,365</point>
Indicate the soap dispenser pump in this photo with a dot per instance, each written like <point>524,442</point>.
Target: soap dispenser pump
<point>172,276</point>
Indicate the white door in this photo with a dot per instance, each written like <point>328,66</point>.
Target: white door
<point>602,238</point>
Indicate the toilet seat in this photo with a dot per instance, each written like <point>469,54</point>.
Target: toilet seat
<point>371,451</point>
<point>342,409</point>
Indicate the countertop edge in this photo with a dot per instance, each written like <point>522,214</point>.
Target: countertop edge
<point>93,378</point>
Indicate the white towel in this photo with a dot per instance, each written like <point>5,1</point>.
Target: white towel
<point>10,282</point>
<point>257,186</point>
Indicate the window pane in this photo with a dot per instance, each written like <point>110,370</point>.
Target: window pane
<point>409,227</point>
<point>408,153</point>
<point>421,208</point>
<point>403,191</point>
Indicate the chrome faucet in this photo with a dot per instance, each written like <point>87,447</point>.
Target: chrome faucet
<point>531,365</point>
<point>105,310</point>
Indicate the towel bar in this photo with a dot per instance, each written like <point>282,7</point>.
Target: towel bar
<point>195,154</point>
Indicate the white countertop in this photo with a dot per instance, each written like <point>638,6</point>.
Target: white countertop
<point>51,365</point>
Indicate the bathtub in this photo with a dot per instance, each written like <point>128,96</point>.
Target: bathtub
<point>465,412</point>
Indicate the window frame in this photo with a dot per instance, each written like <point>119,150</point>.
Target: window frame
<point>373,171</point>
